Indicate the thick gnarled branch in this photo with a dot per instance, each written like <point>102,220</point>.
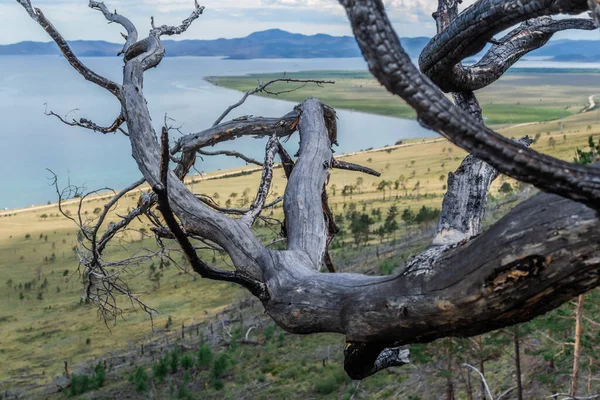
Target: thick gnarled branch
<point>530,35</point>
<point>132,34</point>
<point>471,30</point>
<point>243,126</point>
<point>390,64</point>
<point>255,287</point>
<point>302,202</point>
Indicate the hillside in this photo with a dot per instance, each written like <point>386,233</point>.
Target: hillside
<point>43,315</point>
<point>543,94</point>
<point>276,43</point>
<point>569,50</point>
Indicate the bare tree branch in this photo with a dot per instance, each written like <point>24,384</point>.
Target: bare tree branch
<point>255,287</point>
<point>87,124</point>
<point>465,200</point>
<point>88,74</point>
<point>530,35</point>
<point>261,88</point>
<point>177,30</point>
<point>132,34</point>
<point>338,164</point>
<point>392,67</point>
<point>469,32</point>
<point>303,206</point>
<point>229,153</point>
<point>244,126</point>
<point>487,388</point>
<point>265,183</point>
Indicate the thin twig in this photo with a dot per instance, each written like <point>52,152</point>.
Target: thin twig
<point>265,183</point>
<point>229,153</point>
<point>261,87</point>
<point>353,167</point>
<point>487,388</point>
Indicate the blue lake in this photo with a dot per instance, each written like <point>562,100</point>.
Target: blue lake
<point>30,141</point>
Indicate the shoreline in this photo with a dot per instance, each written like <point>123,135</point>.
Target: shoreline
<point>213,175</point>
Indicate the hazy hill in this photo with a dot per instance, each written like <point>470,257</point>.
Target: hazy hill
<point>274,43</point>
<point>570,50</point>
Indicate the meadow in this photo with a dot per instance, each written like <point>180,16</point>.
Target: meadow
<point>45,321</point>
<point>542,95</point>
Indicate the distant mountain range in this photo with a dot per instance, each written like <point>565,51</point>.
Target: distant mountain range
<point>276,43</point>
<point>571,50</point>
<point>273,43</point>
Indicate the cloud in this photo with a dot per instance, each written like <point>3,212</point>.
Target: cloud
<point>222,18</point>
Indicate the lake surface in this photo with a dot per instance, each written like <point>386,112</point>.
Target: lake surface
<point>30,141</point>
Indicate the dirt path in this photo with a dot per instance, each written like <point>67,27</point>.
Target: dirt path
<point>592,103</point>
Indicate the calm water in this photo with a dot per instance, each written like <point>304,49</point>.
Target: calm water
<point>30,142</point>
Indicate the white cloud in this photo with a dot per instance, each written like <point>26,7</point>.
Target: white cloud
<point>222,18</point>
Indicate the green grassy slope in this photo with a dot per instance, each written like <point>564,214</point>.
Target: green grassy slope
<point>518,97</point>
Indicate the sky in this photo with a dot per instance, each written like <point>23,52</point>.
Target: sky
<point>221,19</point>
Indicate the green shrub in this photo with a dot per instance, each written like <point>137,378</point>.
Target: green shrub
<point>84,383</point>
<point>187,361</point>
<point>174,361</point>
<point>99,375</point>
<point>140,380</point>
<point>219,369</point>
<point>218,384</point>
<point>160,369</point>
<point>589,156</point>
<point>183,392</point>
<point>205,356</point>
<point>326,385</point>
<point>387,267</point>
<point>269,332</point>
<point>220,365</point>
<point>80,384</point>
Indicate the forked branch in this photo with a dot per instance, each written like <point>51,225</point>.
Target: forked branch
<point>87,124</point>
<point>132,35</point>
<point>177,30</point>
<point>161,189</point>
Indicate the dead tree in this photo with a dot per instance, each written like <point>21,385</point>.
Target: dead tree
<point>541,254</point>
